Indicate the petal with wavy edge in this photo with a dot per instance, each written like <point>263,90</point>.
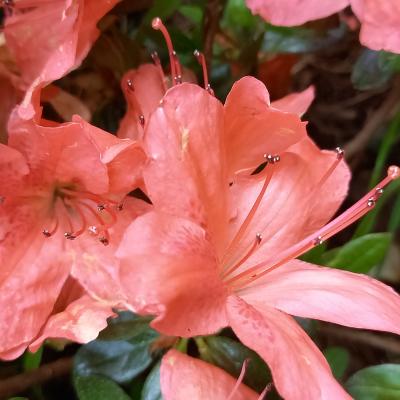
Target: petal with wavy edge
<point>183,377</point>
<point>328,294</point>
<point>147,90</point>
<point>296,103</point>
<point>95,266</point>
<point>299,369</point>
<point>28,295</point>
<point>380,21</point>
<point>80,322</point>
<point>294,12</point>
<point>168,269</point>
<point>295,203</point>
<point>254,128</point>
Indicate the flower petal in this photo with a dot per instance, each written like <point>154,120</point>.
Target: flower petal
<point>380,21</point>
<point>80,322</point>
<point>296,103</point>
<point>183,142</point>
<point>28,295</point>
<point>294,12</point>
<point>254,128</point>
<point>142,99</point>
<point>95,266</point>
<point>168,269</point>
<point>297,202</point>
<point>299,370</point>
<point>183,377</point>
<point>328,294</point>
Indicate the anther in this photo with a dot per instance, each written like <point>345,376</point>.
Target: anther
<point>178,79</point>
<point>371,202</point>
<point>317,241</point>
<point>141,120</point>
<point>129,83</point>
<point>339,153</point>
<point>93,230</point>
<point>272,159</point>
<point>104,240</point>
<point>120,207</point>
<point>46,233</point>
<point>101,207</point>
<point>69,236</point>
<point>259,238</point>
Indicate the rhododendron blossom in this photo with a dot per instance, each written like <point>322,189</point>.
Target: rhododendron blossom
<point>221,246</point>
<point>183,377</point>
<point>61,192</point>
<point>380,19</point>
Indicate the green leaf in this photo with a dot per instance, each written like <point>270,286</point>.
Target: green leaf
<point>98,388</point>
<point>229,355</point>
<point>381,382</point>
<point>372,70</point>
<point>363,253</point>
<point>280,39</point>
<point>338,359</point>
<point>121,353</point>
<point>151,388</point>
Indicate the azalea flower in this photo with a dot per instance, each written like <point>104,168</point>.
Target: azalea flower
<point>380,20</point>
<point>70,32</point>
<point>183,377</point>
<point>220,247</point>
<point>61,193</point>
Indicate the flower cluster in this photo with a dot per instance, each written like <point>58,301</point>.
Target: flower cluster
<point>238,191</point>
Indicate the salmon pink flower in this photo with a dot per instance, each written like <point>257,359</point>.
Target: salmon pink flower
<point>45,55</point>
<point>61,192</point>
<point>220,249</point>
<point>380,20</point>
<point>183,377</point>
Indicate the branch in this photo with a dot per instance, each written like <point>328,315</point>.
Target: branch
<point>390,106</point>
<point>19,383</point>
<point>382,342</point>
<point>213,13</point>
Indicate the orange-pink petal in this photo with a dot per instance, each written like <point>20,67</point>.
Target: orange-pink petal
<point>328,294</point>
<point>254,128</point>
<point>299,370</point>
<point>183,377</point>
<point>294,12</point>
<point>168,269</point>
<point>296,103</point>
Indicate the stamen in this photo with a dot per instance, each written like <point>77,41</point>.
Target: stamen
<point>339,157</point>
<point>239,380</point>
<point>84,223</point>
<point>242,230</point>
<point>202,61</point>
<point>364,205</point>
<point>52,231</point>
<point>135,104</point>
<point>158,25</point>
<point>265,391</point>
<point>157,63</point>
<point>253,247</point>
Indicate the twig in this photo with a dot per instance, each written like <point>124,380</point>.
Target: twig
<point>19,383</point>
<point>377,118</point>
<point>389,344</point>
<point>212,15</point>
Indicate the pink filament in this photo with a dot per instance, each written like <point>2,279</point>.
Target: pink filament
<point>364,205</point>
<point>243,228</point>
<point>239,380</point>
<point>158,25</point>
<point>202,61</point>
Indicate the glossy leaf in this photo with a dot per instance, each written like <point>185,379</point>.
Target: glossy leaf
<point>98,388</point>
<point>338,359</point>
<point>121,353</point>
<point>151,389</point>
<point>362,254</point>
<point>229,355</point>
<point>381,382</point>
